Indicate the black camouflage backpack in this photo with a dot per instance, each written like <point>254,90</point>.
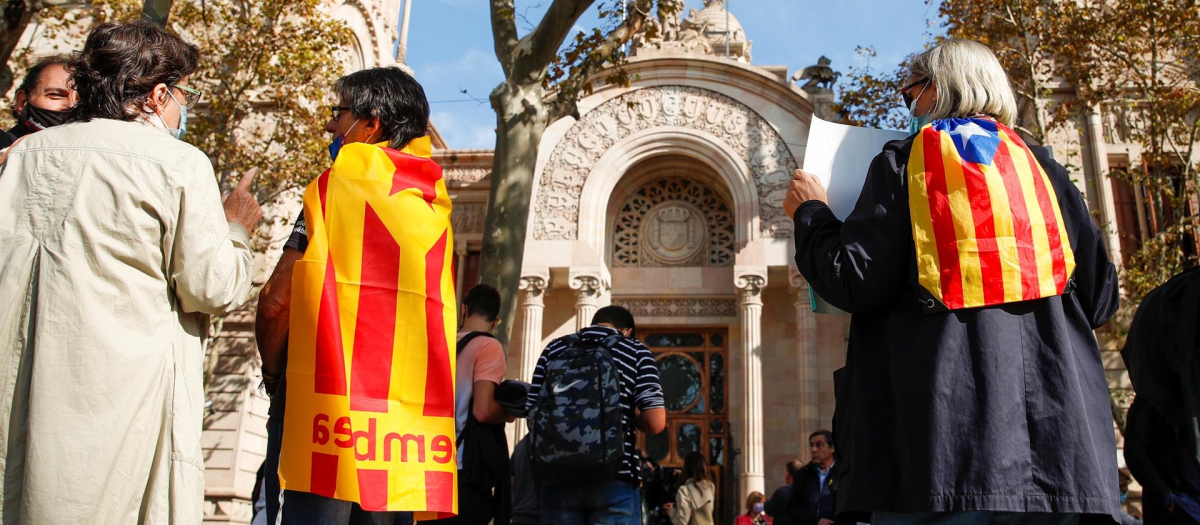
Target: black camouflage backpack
<point>576,430</point>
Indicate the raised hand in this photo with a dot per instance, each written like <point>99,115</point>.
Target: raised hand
<point>240,206</point>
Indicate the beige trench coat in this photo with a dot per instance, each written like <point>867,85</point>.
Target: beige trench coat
<point>113,250</point>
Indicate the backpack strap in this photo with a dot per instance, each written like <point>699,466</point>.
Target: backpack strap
<point>462,343</point>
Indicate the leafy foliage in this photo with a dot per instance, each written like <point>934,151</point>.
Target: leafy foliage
<point>872,98</point>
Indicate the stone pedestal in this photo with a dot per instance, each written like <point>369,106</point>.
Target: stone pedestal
<point>750,286</point>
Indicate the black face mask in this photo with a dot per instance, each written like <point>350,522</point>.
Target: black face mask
<point>39,118</point>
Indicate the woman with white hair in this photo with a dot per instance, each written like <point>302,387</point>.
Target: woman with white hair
<point>973,390</point>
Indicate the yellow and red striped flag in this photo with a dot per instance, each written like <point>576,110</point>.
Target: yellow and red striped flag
<point>986,220</point>
<point>370,377</point>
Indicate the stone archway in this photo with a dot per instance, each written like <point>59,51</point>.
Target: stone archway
<point>743,147</point>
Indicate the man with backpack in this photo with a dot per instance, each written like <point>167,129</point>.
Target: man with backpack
<point>591,392</point>
<point>483,468</point>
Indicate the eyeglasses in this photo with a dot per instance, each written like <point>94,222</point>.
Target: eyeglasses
<point>908,99</point>
<point>191,96</point>
<point>336,111</point>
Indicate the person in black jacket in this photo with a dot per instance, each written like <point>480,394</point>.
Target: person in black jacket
<point>973,380</point>
<point>1162,443</point>
<point>776,506</point>
<point>813,497</point>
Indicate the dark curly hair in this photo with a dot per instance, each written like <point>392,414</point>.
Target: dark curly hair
<point>121,63</point>
<point>33,77</point>
<point>392,95</point>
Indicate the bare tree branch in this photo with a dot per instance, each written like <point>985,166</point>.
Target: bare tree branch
<point>504,33</point>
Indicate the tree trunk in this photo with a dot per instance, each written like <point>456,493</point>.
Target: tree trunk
<point>17,14</point>
<point>521,118</point>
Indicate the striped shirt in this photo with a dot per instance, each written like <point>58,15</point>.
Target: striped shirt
<point>640,387</point>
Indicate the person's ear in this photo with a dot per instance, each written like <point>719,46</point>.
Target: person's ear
<point>373,130</point>
<point>19,101</point>
<point>158,98</point>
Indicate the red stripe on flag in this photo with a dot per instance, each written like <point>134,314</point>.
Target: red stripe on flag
<point>375,327</point>
<point>330,366</point>
<point>439,385</point>
<point>991,269</point>
<point>324,474</point>
<point>1022,228</point>
<point>943,220</point>
<point>439,491</point>
<point>373,489</point>
<point>322,190</point>
<point>1043,197</point>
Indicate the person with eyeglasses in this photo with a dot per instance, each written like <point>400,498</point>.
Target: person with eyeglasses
<point>973,390</point>
<point>117,247</point>
<point>386,108</point>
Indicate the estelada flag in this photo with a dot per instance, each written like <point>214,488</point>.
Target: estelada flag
<point>986,220</point>
<point>370,376</point>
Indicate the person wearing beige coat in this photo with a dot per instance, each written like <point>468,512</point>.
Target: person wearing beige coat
<point>694,500</point>
<point>117,247</point>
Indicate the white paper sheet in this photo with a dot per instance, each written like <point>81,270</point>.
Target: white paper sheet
<point>840,155</point>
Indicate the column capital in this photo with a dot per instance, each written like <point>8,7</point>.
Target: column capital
<point>750,283</point>
<point>590,284</point>
<point>533,287</point>
<point>799,287</point>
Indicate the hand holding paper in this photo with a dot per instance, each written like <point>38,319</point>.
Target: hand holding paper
<point>804,187</point>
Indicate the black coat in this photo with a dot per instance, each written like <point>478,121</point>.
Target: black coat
<point>1003,408</point>
<point>810,501</point>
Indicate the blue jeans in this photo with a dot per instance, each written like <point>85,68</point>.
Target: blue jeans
<point>311,509</point>
<point>973,518</point>
<point>610,503</point>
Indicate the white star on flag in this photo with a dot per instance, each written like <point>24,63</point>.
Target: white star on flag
<point>968,130</point>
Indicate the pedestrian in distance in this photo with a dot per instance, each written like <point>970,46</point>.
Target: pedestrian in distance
<point>43,99</point>
<point>813,498</point>
<point>591,392</point>
<point>117,248</point>
<point>755,504</point>
<point>777,505</point>
<point>696,495</point>
<point>974,275</point>
<point>384,107</point>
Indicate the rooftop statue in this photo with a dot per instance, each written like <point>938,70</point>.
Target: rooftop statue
<point>820,77</point>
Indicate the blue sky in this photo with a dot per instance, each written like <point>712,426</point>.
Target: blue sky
<point>450,46</point>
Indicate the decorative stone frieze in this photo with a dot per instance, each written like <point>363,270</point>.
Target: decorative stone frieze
<point>680,307</point>
<point>752,138</point>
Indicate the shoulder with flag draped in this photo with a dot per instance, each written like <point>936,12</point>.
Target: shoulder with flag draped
<point>930,394</point>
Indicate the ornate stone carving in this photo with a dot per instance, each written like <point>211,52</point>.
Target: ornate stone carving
<point>468,217</point>
<point>820,77</point>
<point>680,307</point>
<point>750,136</point>
<point>673,222</point>
<point>466,175</point>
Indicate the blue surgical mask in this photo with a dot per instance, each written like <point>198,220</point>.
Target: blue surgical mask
<point>1124,497</point>
<point>915,123</point>
<point>757,508</point>
<point>338,142</point>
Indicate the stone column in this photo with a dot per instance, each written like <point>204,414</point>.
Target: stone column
<point>533,305</point>
<point>588,288</point>
<point>750,286</point>
<point>807,387</point>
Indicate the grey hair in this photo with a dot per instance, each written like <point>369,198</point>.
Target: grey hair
<point>969,80</point>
